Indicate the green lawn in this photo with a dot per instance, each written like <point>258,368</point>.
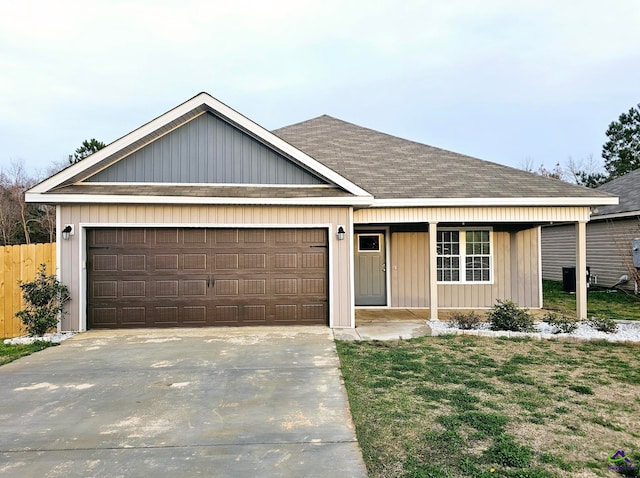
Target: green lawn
<point>459,406</point>
<point>9,353</point>
<point>616,305</point>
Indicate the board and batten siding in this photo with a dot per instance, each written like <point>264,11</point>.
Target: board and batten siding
<point>608,250</point>
<point>515,269</point>
<point>206,150</point>
<point>73,251</point>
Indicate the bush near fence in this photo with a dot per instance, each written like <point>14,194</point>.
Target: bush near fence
<point>20,263</point>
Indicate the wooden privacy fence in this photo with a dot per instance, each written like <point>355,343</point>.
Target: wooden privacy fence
<point>20,263</point>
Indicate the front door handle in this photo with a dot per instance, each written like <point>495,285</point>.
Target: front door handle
<point>384,267</point>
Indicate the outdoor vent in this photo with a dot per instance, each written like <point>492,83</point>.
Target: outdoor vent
<point>635,251</point>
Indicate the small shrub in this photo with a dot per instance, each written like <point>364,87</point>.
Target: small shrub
<point>44,298</point>
<point>506,315</point>
<point>603,324</point>
<point>466,321</point>
<point>561,323</point>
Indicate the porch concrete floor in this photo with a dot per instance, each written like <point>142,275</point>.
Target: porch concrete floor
<point>387,324</point>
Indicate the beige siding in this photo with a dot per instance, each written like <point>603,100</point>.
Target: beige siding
<point>559,250</point>
<point>72,252</point>
<point>410,269</point>
<point>515,269</point>
<point>470,214</point>
<point>525,280</point>
<point>608,250</point>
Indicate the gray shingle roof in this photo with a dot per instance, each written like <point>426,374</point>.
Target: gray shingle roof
<point>394,168</point>
<point>627,187</point>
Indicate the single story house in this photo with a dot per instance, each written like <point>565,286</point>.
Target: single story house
<point>202,217</point>
<point>612,235</point>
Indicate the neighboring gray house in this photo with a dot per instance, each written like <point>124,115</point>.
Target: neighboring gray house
<point>610,235</point>
<point>201,217</point>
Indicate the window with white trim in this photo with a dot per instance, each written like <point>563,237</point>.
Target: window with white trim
<point>464,255</point>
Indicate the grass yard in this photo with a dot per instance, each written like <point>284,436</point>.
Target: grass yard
<point>460,406</point>
<point>9,353</point>
<point>616,305</point>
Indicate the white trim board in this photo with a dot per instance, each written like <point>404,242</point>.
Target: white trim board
<point>191,200</point>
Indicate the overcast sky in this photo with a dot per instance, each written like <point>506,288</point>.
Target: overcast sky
<point>503,80</point>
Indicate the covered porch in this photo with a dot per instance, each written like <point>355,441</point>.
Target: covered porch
<point>423,263</point>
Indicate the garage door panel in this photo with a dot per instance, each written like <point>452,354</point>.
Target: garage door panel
<point>195,316</point>
<point>105,289</point>
<point>226,314</point>
<point>104,316</point>
<point>195,236</point>
<point>134,236</point>
<point>133,316</point>
<point>134,288</point>
<point>134,262</point>
<point>254,261</point>
<point>195,288</point>
<point>227,261</point>
<point>206,277</point>
<point>166,316</point>
<point>166,236</point>
<point>105,262</point>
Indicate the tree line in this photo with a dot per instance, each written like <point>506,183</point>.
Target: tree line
<point>28,223</point>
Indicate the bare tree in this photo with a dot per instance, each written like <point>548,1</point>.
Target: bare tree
<point>528,165</point>
<point>9,214</point>
<point>16,216</point>
<point>586,172</point>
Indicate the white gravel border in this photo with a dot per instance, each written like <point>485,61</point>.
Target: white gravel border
<point>628,331</point>
<point>55,338</point>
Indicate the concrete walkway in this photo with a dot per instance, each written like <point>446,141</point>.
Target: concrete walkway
<point>387,324</point>
<point>265,402</point>
<point>394,330</point>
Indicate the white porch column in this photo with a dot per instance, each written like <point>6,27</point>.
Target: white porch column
<point>433,270</point>
<point>581,270</point>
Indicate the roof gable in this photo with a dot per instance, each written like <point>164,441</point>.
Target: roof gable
<point>63,186</point>
<point>206,150</point>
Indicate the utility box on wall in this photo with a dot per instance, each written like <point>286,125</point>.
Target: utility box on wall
<point>635,251</point>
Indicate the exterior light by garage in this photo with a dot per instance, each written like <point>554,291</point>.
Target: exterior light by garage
<point>67,232</point>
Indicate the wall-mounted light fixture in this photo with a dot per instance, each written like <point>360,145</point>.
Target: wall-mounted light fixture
<point>340,234</point>
<point>67,232</point>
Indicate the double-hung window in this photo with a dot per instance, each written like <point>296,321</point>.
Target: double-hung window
<point>464,255</point>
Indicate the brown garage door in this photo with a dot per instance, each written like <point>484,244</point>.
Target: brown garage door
<point>202,277</point>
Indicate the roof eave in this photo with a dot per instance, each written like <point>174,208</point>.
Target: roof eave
<point>44,198</point>
<point>496,201</point>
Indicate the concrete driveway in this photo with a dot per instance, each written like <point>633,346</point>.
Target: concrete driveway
<point>181,402</point>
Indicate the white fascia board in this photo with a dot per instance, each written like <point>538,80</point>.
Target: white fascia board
<point>617,215</point>
<point>128,199</point>
<point>480,202</point>
<point>218,107</point>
